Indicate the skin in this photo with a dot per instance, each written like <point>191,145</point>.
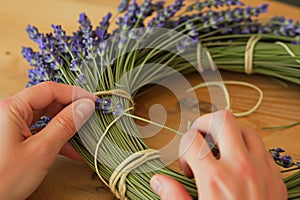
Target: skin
<point>244,170</point>
<point>26,158</point>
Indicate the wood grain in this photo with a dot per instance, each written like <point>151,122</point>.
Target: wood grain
<point>68,179</point>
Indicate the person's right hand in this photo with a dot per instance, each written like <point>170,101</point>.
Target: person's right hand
<point>244,170</point>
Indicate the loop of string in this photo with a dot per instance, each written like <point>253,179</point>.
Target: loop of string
<point>249,53</point>
<point>128,165</point>
<point>288,50</point>
<point>222,84</point>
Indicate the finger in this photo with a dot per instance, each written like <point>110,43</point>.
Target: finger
<point>64,125</point>
<point>168,188</point>
<point>41,96</point>
<point>194,153</point>
<point>224,129</point>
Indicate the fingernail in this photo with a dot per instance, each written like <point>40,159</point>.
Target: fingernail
<point>156,185</point>
<point>85,108</point>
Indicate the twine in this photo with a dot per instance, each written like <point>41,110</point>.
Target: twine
<point>249,53</point>
<point>128,165</point>
<point>288,50</point>
<point>118,92</point>
<point>222,84</point>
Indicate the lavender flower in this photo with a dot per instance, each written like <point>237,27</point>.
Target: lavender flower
<point>33,32</point>
<point>118,109</point>
<point>101,31</point>
<point>106,106</point>
<point>123,6</point>
<point>34,58</point>
<point>41,123</point>
<point>285,161</point>
<point>75,64</point>
<point>164,15</point>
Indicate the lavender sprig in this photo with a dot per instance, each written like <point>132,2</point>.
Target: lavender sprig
<point>40,124</point>
<point>285,161</point>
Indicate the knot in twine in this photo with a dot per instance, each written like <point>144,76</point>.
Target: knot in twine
<point>249,53</point>
<point>117,92</point>
<point>117,181</point>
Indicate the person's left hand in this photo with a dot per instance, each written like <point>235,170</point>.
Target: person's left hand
<point>26,158</point>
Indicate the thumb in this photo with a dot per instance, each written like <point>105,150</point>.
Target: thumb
<point>168,188</point>
<point>66,123</point>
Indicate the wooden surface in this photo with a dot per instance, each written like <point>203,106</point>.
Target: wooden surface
<point>68,179</point>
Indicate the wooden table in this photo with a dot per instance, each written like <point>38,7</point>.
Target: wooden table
<point>68,179</point>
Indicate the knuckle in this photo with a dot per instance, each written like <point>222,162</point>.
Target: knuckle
<point>14,108</point>
<point>245,167</point>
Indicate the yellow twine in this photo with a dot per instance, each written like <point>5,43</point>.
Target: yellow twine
<point>249,53</point>
<point>222,84</point>
<point>118,92</point>
<point>288,50</point>
<point>128,165</point>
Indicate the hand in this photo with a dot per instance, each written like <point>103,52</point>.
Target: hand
<point>26,158</point>
<point>244,170</point>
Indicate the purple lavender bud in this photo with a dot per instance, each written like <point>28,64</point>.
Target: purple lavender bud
<point>86,26</point>
<point>60,38</point>
<point>105,20</point>
<point>233,2</point>
<point>46,44</point>
<point>41,123</point>
<point>98,101</point>
<point>123,6</point>
<point>57,63</point>
<point>164,15</point>
<point>75,65</point>
<point>106,106</point>
<point>118,109</point>
<point>84,20</point>
<point>287,161</point>
<point>101,49</point>
<point>31,56</point>
<point>49,58</point>
<point>33,32</point>
<point>263,8</point>
<point>279,150</point>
